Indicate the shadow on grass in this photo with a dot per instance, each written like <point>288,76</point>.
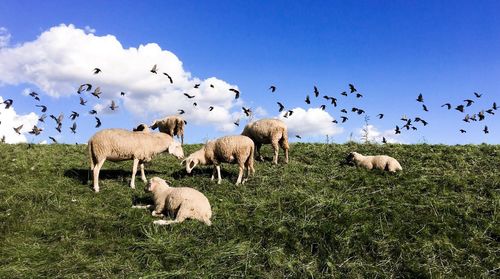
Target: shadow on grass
<point>84,176</point>
<point>205,171</point>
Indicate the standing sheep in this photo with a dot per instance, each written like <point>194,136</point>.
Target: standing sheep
<point>265,131</point>
<point>381,162</point>
<point>121,145</point>
<point>228,149</point>
<point>172,125</point>
<point>181,202</point>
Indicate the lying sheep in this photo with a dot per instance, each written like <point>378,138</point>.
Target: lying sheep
<point>172,125</point>
<point>381,162</point>
<point>121,145</point>
<point>228,149</point>
<point>141,128</point>
<point>265,131</point>
<point>181,202</point>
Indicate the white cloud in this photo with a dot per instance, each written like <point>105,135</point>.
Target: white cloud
<point>10,119</point>
<point>63,57</point>
<point>89,29</point>
<point>374,135</point>
<point>4,37</point>
<point>313,122</point>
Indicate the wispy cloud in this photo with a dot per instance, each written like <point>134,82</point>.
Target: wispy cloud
<point>374,135</point>
<point>4,37</point>
<point>310,122</point>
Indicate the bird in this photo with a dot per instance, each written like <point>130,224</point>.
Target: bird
<point>360,111</point>
<point>404,118</point>
<point>53,139</point>
<point>490,111</point>
<point>113,106</point>
<point>211,85</point>
<point>466,118</point>
<point>189,96</point>
<point>3,139</point>
<point>247,111</point>
<point>181,111</point>
<point>34,95</point>
<point>351,87</point>
<point>211,108</point>
<point>322,107</point>
<point>460,108</point>
<point>289,112</point>
<point>316,92</point>
<point>494,106</point>
<point>237,122</point>
<point>197,85</point>
<point>344,119</point>
<point>272,88</point>
<point>170,78</point>
<point>74,115</point>
<point>58,119</point>
<point>425,107</point>
<point>236,92</point>
<point>384,140</point>
<point>448,105</point>
<point>380,115</point>
<point>478,95</point>
<point>8,103</point>
<point>418,119</point>
<point>73,128</point>
<point>97,92</point>
<point>35,130</point>
<point>481,115</point>
<point>195,104</point>
<point>282,107</point>
<point>414,128</point>
<point>84,87</point>
<point>42,118</point>
<point>44,108</point>
<point>98,122</point>
<point>154,69</point>
<point>420,98</point>
<point>18,129</point>
<point>397,130</point>
<point>358,95</point>
<point>354,109</point>
<point>93,111</point>
<point>297,136</point>
<point>469,102</point>
<point>335,121</point>
<point>82,101</point>
<point>122,93</point>
<point>96,71</point>
<point>343,110</point>
<point>463,131</point>
<point>344,93</point>
<point>58,128</point>
<point>485,130</point>
<point>307,100</point>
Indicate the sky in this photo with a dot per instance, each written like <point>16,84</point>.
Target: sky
<point>391,51</point>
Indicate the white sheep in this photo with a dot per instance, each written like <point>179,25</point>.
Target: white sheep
<point>172,125</point>
<point>265,131</point>
<point>381,162</point>
<point>121,145</point>
<point>181,202</point>
<point>228,149</point>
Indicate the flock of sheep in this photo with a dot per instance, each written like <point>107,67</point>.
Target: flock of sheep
<point>141,145</point>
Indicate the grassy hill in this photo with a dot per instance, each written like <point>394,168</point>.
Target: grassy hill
<point>311,218</point>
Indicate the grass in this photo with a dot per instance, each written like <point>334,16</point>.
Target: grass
<point>314,217</point>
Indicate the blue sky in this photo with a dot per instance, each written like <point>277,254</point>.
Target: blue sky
<point>390,50</point>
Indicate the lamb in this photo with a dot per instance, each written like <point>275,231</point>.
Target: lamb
<point>265,131</point>
<point>181,202</point>
<point>121,145</point>
<point>172,125</point>
<point>228,149</point>
<point>381,162</point>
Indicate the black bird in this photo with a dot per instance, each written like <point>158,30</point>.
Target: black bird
<point>397,131</point>
<point>414,128</point>
<point>35,130</point>
<point>170,78</point>
<point>297,136</point>
<point>122,93</point>
<point>93,111</point>
<point>478,95</point>
<point>73,128</point>
<point>84,87</point>
<point>282,107</point>
<point>82,101</point>
<point>360,111</point>
<point>354,109</point>
<point>247,111</point>
<point>485,130</point>
<point>44,108</point>
<point>344,119</point>
<point>18,129</point>
<point>189,96</point>
<point>425,108</point>
<point>351,87</point>
<point>53,139</point>
<point>333,100</point>
<point>237,122</point>
<point>420,98</point>
<point>97,92</point>
<point>473,117</point>
<point>272,88</point>
<point>58,128</point>
<point>154,70</point>
<point>195,104</point>
<point>98,124</point>
<point>42,118</point>
<point>384,140</point>
<point>211,85</point>
<point>469,102</point>
<point>494,106</point>
<point>181,111</point>
<point>74,115</point>
<point>316,92</point>
<point>308,101</point>
<point>290,112</point>
<point>335,121</point>
<point>343,110</point>
<point>344,93</point>
<point>418,119</point>
<point>34,95</point>
<point>481,115</point>
<point>96,71</point>
<point>463,131</point>
<point>210,108</point>
<point>460,108</point>
<point>466,118</point>
<point>323,107</point>
<point>358,95</point>
<point>404,118</point>
<point>113,106</point>
<point>197,85</point>
<point>380,116</point>
<point>8,103</point>
<point>490,111</point>
<point>236,92</point>
<point>58,119</point>
<point>448,105</point>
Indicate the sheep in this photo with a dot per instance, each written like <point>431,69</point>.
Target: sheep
<point>265,131</point>
<point>228,149</point>
<point>121,145</point>
<point>141,128</point>
<point>181,202</point>
<point>172,125</point>
<point>381,162</point>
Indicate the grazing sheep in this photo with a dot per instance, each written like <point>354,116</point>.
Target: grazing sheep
<point>265,131</point>
<point>121,145</point>
<point>181,202</point>
<point>172,125</point>
<point>381,162</point>
<point>228,149</point>
<point>141,128</point>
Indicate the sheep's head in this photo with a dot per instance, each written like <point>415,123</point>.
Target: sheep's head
<point>141,128</point>
<point>176,149</point>
<point>350,158</point>
<point>155,183</point>
<point>191,162</point>
<point>154,125</point>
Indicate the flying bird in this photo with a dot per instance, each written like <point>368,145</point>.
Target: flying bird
<point>351,87</point>
<point>181,111</point>
<point>397,130</point>
<point>58,119</point>
<point>96,71</point>
<point>490,111</point>
<point>73,128</point>
<point>154,69</point>
<point>478,95</point>
<point>58,128</point>
<point>297,136</point>
<point>82,101</point>
<point>460,108</point>
<point>481,115</point>
<point>170,78</point>
<point>195,104</point>
<point>98,124</point>
<point>122,93</point>
<point>272,88</point>
<point>333,100</point>
<point>384,140</point>
<point>420,98</point>
<point>418,119</point>
<point>448,105</point>
<point>344,119</point>
<point>358,95</point>
<point>35,130</point>
<point>494,106</point>
<point>210,108</point>
<point>380,115</point>
<point>42,118</point>
<point>18,129</point>
<point>189,96</point>
<point>211,85</point>
<point>425,107</point>
<point>282,107</point>
<point>97,92</point>
<point>236,92</point>
<point>74,115</point>
<point>84,87</point>
<point>197,85</point>
<point>316,92</point>
<point>247,111</point>
<point>237,122</point>
<point>322,107</point>
<point>344,93</point>
<point>34,95</point>
<point>469,102</point>
<point>335,121</point>
<point>463,131</point>
<point>93,111</point>
<point>485,130</point>
<point>307,100</point>
<point>8,103</point>
<point>343,110</point>
<point>53,139</point>
<point>44,108</point>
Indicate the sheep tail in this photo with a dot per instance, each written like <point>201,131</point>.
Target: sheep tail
<point>284,139</point>
<point>250,159</point>
<point>91,155</point>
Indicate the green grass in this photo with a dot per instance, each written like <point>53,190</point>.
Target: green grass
<point>314,217</point>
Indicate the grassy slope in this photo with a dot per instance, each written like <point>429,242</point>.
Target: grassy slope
<point>312,217</point>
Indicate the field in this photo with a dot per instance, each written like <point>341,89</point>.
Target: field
<point>314,217</point>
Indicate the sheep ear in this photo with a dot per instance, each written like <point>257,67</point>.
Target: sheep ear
<point>183,161</point>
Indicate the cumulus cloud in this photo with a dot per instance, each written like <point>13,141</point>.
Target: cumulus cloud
<point>311,122</point>
<point>63,57</point>
<point>4,37</point>
<point>9,119</point>
<point>374,135</point>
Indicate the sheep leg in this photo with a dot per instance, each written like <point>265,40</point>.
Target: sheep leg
<point>219,178</point>
<point>143,176</point>
<point>134,171</point>
<point>276,151</point>
<point>284,146</point>
<point>182,214</point>
<point>157,212</point>
<point>240,174</point>
<point>257,148</point>
<point>213,173</point>
<point>96,170</point>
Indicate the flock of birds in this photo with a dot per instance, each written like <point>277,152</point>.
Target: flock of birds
<point>408,122</point>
